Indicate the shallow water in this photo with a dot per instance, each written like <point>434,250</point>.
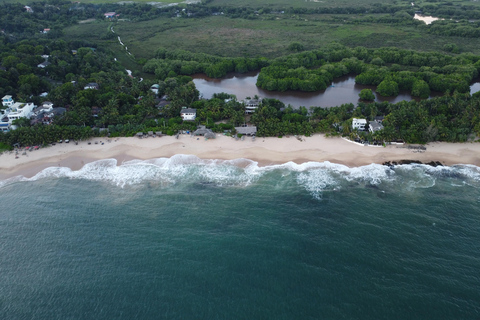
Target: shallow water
<point>184,238</point>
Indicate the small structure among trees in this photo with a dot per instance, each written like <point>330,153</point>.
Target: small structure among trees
<point>203,131</point>
<point>251,130</point>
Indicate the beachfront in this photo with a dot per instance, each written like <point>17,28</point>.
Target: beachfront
<point>265,151</point>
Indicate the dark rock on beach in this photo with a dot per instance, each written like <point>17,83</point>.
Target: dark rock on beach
<point>392,164</point>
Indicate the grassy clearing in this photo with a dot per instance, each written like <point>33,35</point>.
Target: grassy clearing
<point>269,38</point>
<point>297,3</point>
<point>157,3</point>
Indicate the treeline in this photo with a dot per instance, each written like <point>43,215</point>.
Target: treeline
<point>43,135</point>
<point>21,77</point>
<point>391,69</point>
<point>388,68</point>
<point>461,28</point>
<point>449,118</point>
<point>170,63</point>
<point>281,78</point>
<point>449,10</point>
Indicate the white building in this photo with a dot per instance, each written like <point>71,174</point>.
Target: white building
<point>47,106</point>
<point>154,88</point>
<point>188,114</point>
<point>19,110</point>
<point>7,101</point>
<point>251,104</point>
<point>359,124</point>
<point>16,111</point>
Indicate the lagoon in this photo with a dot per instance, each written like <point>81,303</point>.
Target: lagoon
<point>342,90</point>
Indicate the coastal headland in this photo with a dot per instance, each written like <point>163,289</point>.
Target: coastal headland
<point>266,151</point>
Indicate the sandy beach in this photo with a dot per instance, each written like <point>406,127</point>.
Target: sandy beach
<point>265,151</point>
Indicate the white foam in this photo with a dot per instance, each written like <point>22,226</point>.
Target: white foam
<point>317,181</point>
<point>315,177</point>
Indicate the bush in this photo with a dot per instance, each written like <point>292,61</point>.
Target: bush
<point>366,94</point>
<point>296,47</point>
<point>421,89</point>
<point>388,88</point>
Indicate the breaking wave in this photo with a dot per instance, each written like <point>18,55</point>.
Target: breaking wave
<point>314,177</point>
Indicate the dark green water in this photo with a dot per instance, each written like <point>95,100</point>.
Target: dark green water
<point>182,239</point>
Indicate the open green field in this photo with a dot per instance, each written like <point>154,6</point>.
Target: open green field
<point>269,38</point>
<point>329,3</point>
<point>157,3</point>
<point>298,3</point>
<point>276,3</point>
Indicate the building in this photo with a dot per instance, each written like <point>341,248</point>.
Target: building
<point>359,124</point>
<point>188,114</point>
<point>16,111</point>
<point>92,85</point>
<point>47,106</point>
<point>154,88</point>
<point>249,131</point>
<point>251,104</point>
<point>110,15</point>
<point>374,126</point>
<point>44,64</point>
<point>203,131</point>
<point>7,101</point>
<point>19,110</point>
<point>5,126</point>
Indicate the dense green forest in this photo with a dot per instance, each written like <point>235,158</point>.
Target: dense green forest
<point>125,105</point>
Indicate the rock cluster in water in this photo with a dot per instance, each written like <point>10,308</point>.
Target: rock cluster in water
<point>395,163</point>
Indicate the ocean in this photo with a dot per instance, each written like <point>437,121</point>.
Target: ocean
<point>184,238</point>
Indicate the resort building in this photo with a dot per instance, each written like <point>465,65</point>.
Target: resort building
<point>374,126</point>
<point>359,124</point>
<point>19,110</point>
<point>188,114</point>
<point>7,101</point>
<point>16,111</point>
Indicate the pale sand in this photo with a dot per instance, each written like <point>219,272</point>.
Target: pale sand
<point>265,151</point>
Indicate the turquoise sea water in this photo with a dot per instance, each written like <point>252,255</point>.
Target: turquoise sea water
<point>184,238</point>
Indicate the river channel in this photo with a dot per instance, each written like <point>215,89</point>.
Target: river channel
<point>342,90</point>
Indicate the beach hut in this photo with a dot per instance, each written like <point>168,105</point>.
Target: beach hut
<point>203,131</point>
<point>210,135</point>
<point>249,131</point>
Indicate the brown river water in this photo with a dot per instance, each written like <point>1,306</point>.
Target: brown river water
<point>342,90</point>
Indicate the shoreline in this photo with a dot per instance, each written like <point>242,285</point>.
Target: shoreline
<point>265,151</point>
